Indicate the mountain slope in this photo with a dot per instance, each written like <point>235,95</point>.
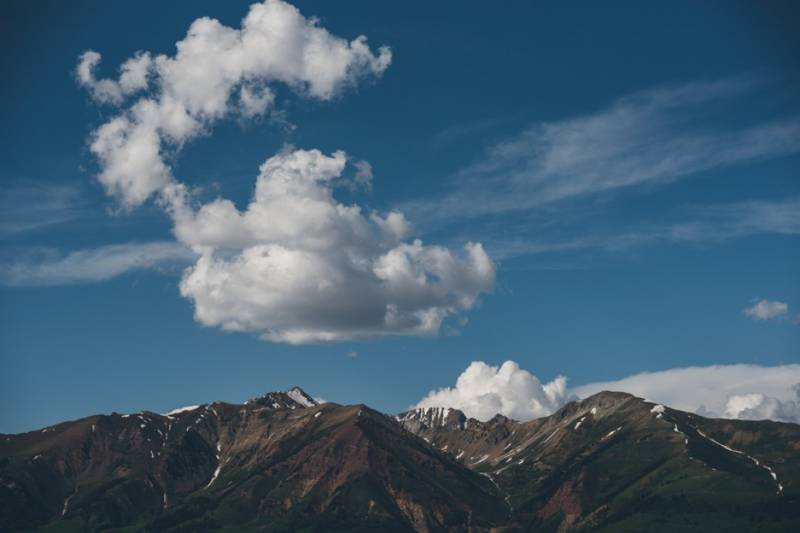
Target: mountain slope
<point>283,462</point>
<point>272,464</point>
<point>614,461</point>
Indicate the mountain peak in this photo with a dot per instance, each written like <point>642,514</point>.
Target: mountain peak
<point>374,471</point>
<point>293,398</point>
<point>302,397</point>
<point>430,417</point>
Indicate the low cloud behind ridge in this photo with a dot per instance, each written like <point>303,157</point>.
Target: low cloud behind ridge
<point>737,391</point>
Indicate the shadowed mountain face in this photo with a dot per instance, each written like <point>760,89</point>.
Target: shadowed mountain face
<point>283,462</point>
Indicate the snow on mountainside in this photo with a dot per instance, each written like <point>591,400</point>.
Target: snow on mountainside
<point>299,395</point>
<point>277,463</point>
<point>284,460</point>
<point>292,399</point>
<point>430,417</point>
<point>587,462</point>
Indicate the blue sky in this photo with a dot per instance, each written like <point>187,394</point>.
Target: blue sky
<point>631,172</point>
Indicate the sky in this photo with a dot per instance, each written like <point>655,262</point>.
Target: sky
<point>494,208</point>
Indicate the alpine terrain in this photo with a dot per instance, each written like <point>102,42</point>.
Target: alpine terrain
<point>285,462</point>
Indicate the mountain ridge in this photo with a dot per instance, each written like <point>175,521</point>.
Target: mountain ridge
<point>284,460</point>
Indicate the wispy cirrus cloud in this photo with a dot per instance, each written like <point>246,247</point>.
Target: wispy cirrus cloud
<point>648,137</point>
<point>27,206</point>
<point>698,225</point>
<point>43,267</point>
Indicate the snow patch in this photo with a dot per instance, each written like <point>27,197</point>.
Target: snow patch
<point>752,459</point>
<point>215,476</point>
<point>182,410</point>
<point>551,436</point>
<point>300,397</point>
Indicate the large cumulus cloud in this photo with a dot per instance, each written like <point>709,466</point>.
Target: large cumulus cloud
<point>296,265</point>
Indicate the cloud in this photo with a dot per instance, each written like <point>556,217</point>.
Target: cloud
<point>48,267</point>
<point>482,391</point>
<point>766,310</point>
<point>30,206</point>
<point>758,406</point>
<point>702,224</point>
<point>363,176</point>
<point>650,137</point>
<point>740,391</point>
<point>217,71</point>
<point>297,266</point>
<point>133,77</point>
<point>729,391</point>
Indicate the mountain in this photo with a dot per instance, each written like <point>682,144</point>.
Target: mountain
<point>277,463</point>
<point>619,463</point>
<point>285,462</point>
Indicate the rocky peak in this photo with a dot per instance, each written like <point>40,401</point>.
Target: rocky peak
<point>294,398</point>
<point>300,396</point>
<point>423,418</point>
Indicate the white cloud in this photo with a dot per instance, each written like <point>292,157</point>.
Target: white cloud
<point>766,310</point>
<point>708,223</point>
<point>759,406</point>
<point>363,176</point>
<point>482,391</point>
<point>728,391</point>
<point>26,206</point>
<point>48,267</point>
<point>216,71</point>
<point>254,102</point>
<point>649,137</point>
<point>297,266</point>
<point>133,77</point>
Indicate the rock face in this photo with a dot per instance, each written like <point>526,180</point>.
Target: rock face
<point>285,462</point>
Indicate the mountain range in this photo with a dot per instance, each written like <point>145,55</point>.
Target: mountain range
<point>286,462</point>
